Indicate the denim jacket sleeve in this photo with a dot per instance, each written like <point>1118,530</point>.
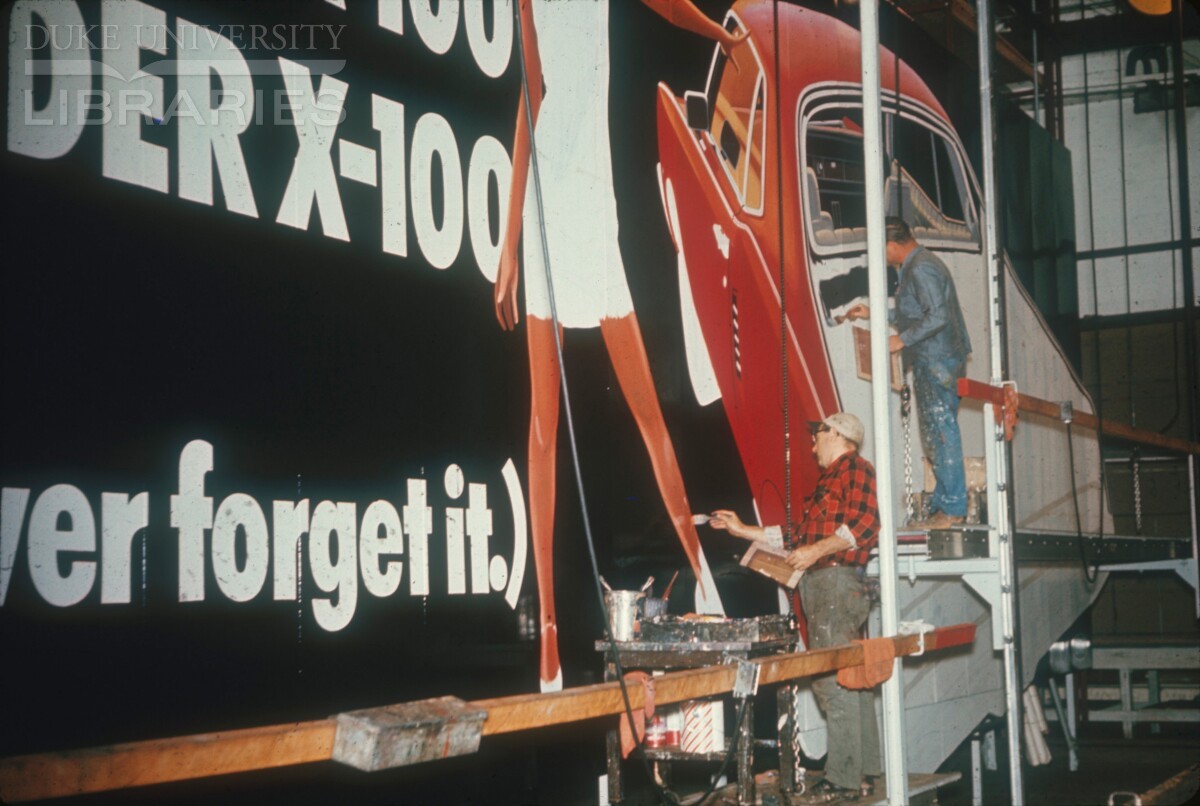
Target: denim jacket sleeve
<point>933,299</point>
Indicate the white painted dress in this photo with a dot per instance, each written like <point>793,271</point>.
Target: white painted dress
<point>575,165</point>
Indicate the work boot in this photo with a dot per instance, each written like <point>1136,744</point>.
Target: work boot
<point>939,520</point>
<point>825,791</point>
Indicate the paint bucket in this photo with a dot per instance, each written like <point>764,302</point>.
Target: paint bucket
<point>654,607</point>
<point>624,610</point>
<point>674,719</point>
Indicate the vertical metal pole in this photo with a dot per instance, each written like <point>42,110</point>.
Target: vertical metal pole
<point>1067,725</point>
<point>1192,461</point>
<point>1037,90</point>
<point>873,159</point>
<point>1154,696</point>
<point>1001,538</point>
<point>1072,719</point>
<point>976,772</point>
<point>1185,233</point>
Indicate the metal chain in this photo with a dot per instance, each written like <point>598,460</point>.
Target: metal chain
<point>906,419</point>
<point>1137,490</point>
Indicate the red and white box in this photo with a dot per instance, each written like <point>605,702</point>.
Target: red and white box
<point>703,726</point>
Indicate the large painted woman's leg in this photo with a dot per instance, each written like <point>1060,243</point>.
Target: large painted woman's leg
<point>543,429</point>
<point>623,338</point>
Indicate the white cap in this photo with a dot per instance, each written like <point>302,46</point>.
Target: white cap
<point>844,423</point>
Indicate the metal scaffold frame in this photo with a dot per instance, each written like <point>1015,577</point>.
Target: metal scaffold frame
<point>997,454</point>
<point>893,690</point>
<point>998,573</point>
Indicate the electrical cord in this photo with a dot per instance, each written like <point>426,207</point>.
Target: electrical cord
<point>663,795</point>
<point>1089,575</point>
<point>737,732</point>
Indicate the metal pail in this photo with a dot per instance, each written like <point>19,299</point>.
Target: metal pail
<point>624,611</point>
<point>654,607</point>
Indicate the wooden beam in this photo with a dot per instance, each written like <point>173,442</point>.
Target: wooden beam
<point>523,712</point>
<point>160,761</point>
<point>48,775</point>
<point>964,14</point>
<point>978,390</point>
<point>1176,789</point>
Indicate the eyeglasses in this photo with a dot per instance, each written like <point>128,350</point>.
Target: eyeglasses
<point>821,429</point>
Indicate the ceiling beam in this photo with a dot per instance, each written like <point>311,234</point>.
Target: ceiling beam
<point>1121,30</point>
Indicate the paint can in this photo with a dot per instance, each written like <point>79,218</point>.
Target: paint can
<point>653,607</point>
<point>624,611</point>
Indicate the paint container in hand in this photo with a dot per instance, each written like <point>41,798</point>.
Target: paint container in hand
<point>624,612</point>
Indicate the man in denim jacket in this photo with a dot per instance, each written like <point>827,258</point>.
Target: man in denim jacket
<point>933,336</point>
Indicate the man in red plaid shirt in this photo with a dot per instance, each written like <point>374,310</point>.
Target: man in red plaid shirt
<point>838,527</point>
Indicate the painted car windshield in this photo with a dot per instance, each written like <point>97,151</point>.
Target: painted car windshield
<point>924,183</point>
<point>736,97</point>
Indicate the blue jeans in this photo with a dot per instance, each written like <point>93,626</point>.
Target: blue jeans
<point>934,383</point>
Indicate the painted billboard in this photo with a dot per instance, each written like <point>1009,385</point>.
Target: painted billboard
<point>282,417</point>
<point>262,414</point>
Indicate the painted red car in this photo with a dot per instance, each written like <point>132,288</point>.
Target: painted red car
<point>761,170</point>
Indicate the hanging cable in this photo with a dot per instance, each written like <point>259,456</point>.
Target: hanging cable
<point>663,796</point>
<point>906,421</point>
<point>716,779</point>
<point>1089,574</point>
<point>783,328</point>
<point>1135,459</point>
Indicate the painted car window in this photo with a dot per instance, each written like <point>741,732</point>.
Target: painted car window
<point>752,195</point>
<point>834,177</point>
<point>736,97</point>
<point>924,184</point>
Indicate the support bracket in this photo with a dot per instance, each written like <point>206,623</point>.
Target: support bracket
<point>987,585</point>
<point>1185,568</point>
<point>746,683</point>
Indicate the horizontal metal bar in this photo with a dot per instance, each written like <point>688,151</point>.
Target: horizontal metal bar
<point>1144,715</point>
<point>1028,404</point>
<point>1146,657</point>
<point>1124,320</point>
<point>1130,250</point>
<point>1113,32</point>
<point>1125,460</point>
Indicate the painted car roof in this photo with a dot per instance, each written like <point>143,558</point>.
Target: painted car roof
<point>819,48</point>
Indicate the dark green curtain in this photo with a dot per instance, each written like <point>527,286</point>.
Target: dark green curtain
<point>1037,220</point>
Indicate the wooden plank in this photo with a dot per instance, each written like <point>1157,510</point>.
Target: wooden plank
<point>508,714</point>
<point>964,14</point>
<point>47,775</point>
<point>120,766</point>
<point>1179,788</point>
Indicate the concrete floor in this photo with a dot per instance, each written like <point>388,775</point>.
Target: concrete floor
<point>1108,763</point>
